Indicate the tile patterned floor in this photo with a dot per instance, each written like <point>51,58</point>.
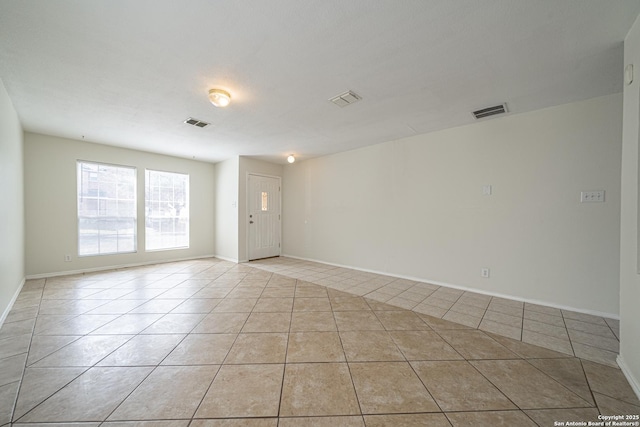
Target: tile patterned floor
<point>589,337</point>
<point>208,343</point>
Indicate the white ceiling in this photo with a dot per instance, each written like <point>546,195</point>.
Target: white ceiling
<point>129,72</point>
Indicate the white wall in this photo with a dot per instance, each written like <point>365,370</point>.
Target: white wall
<point>250,166</point>
<point>415,208</point>
<point>629,360</point>
<point>51,207</point>
<point>226,212</point>
<point>12,269</point>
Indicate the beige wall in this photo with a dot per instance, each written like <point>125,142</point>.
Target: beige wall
<point>629,360</point>
<point>12,270</point>
<point>50,204</point>
<point>226,216</point>
<point>415,207</point>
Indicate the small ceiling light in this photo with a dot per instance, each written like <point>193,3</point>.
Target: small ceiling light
<point>219,97</point>
<point>291,158</point>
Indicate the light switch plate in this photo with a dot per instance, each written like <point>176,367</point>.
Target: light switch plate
<point>592,196</point>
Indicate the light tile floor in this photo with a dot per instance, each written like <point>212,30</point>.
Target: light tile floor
<point>589,337</point>
<point>208,343</point>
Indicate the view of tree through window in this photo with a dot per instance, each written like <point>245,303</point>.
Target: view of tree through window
<point>106,209</point>
<point>166,210</point>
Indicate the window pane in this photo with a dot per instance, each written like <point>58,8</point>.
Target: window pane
<point>106,209</point>
<point>166,210</point>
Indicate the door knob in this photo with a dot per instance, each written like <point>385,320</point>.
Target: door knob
<point>250,222</point>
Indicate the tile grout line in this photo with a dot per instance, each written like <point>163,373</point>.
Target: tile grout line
<point>140,333</point>
<point>107,355</point>
<point>286,353</point>
<point>478,327</point>
<point>204,395</point>
<point>346,359</point>
<point>65,385</point>
<point>573,350</point>
<point>563,385</point>
<point>26,360</point>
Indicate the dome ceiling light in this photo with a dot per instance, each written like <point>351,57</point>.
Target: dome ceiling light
<point>219,97</point>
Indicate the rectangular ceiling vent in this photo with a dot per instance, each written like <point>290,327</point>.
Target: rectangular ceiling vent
<point>490,111</point>
<point>195,122</point>
<point>346,98</point>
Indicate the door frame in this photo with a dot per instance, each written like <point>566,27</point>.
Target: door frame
<point>247,201</point>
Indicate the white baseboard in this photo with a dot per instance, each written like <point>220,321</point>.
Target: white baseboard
<point>633,381</point>
<point>113,267</point>
<point>224,258</point>
<point>5,313</point>
<point>467,289</point>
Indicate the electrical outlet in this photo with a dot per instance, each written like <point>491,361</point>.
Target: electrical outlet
<point>592,196</point>
<point>67,258</point>
<point>484,272</point>
<point>486,190</point>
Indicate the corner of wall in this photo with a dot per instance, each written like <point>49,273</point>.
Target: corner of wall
<point>633,382</point>
<point>8,308</point>
<point>226,209</point>
<point>12,218</point>
<point>630,207</point>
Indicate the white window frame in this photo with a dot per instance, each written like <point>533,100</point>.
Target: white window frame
<point>166,215</point>
<point>102,199</point>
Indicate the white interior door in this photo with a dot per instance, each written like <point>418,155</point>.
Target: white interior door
<point>264,216</point>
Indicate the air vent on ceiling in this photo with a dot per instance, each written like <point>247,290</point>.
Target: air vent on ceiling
<point>346,98</point>
<point>195,122</point>
<point>490,111</point>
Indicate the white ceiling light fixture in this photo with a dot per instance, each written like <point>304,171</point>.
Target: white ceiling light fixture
<point>219,97</point>
<point>291,158</point>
